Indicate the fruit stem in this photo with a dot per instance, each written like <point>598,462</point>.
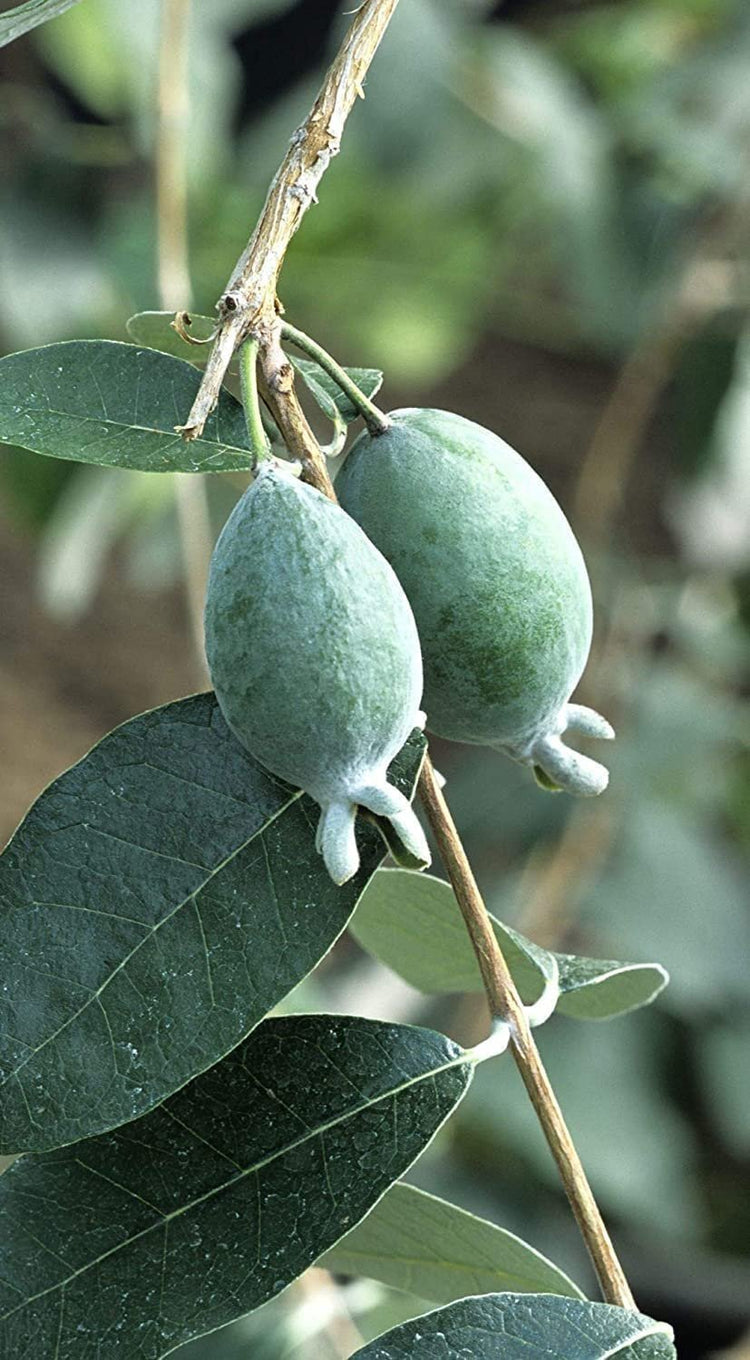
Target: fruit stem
<point>375,419</point>
<point>506,1005</point>
<point>503,999</point>
<point>259,441</point>
<point>249,299</point>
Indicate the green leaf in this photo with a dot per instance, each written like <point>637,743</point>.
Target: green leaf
<point>101,401</point>
<point>411,923</point>
<point>431,1248</point>
<point>394,845</point>
<point>597,989</point>
<point>222,1196</point>
<point>15,22</point>
<point>155,330</point>
<point>158,900</point>
<point>332,401</point>
<point>525,1327</point>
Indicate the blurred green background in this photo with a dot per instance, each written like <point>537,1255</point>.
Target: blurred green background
<point>540,220</point>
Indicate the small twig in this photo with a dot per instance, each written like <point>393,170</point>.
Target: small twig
<point>248,303</point>
<point>617,437</point>
<point>317,1287</point>
<point>181,324</point>
<point>505,1004</point>
<point>249,307</point>
<point>277,388</point>
<point>553,882</point>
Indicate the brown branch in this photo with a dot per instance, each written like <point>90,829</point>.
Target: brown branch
<point>249,307</point>
<point>248,303</point>
<point>505,1004</point>
<point>277,390</point>
<point>502,996</point>
<point>618,435</point>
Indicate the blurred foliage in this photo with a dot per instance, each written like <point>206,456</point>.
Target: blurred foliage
<point>559,185</point>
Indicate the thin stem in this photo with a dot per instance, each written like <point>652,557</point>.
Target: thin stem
<point>376,420</point>
<point>248,307</point>
<point>259,440</point>
<point>277,386</point>
<point>248,302</point>
<point>502,996</point>
<point>505,1004</point>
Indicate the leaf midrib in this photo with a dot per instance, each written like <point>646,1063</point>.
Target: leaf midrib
<point>152,931</point>
<point>444,1264</point>
<point>590,983</point>
<point>461,1059</point>
<point>174,438</point>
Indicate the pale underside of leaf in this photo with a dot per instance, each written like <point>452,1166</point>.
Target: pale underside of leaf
<point>428,1247</point>
<point>411,922</point>
<point>525,1327</point>
<point>131,1243</point>
<point>329,396</point>
<point>157,901</point>
<point>155,329</point>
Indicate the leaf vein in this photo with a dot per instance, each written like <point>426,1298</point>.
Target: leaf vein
<point>337,1120</point>
<point>153,931</point>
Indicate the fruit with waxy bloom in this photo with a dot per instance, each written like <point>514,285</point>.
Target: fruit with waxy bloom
<point>497,582</point>
<point>314,655</point>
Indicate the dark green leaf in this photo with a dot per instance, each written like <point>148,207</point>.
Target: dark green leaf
<point>331,400</point>
<point>160,897</point>
<point>15,22</point>
<point>155,330</point>
<point>525,1327</point>
<point>412,923</point>
<point>437,1251</point>
<point>100,401</point>
<point>131,1243</point>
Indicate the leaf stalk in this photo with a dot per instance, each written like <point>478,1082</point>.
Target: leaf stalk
<point>249,306</point>
<point>259,440</point>
<point>376,420</point>
<point>506,1005</point>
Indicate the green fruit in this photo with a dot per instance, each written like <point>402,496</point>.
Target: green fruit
<point>497,583</point>
<point>314,656</point>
